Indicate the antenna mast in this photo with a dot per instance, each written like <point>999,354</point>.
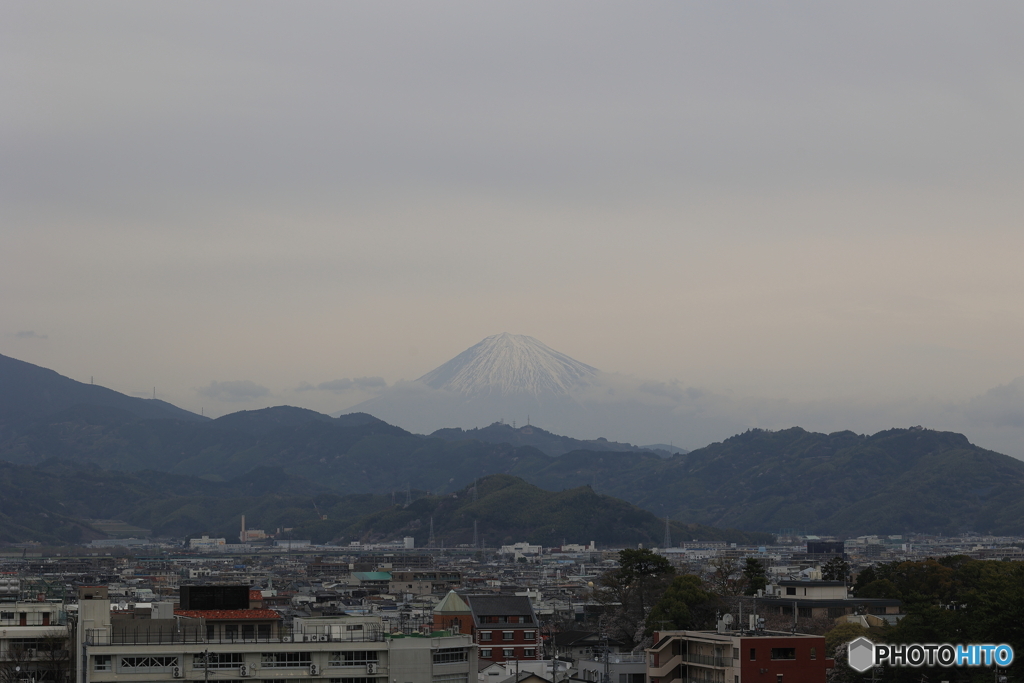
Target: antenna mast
<point>668,535</point>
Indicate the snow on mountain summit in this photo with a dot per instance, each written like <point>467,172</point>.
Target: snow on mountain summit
<point>510,364</point>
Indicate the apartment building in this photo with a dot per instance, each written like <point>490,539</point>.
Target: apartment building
<point>191,646</point>
<point>504,627</point>
<point>34,642</point>
<point>754,656</point>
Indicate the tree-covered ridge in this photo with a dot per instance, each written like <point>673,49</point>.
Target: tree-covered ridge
<point>896,481</point>
<point>52,503</point>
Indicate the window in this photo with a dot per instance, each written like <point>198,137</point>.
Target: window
<point>508,635</point>
<point>805,612</point>
<point>778,678</point>
<point>231,631</point>
<point>814,653</point>
<point>485,635</point>
<point>530,635</point>
<point>248,631</point>
<point>450,655</point>
<point>485,653</point>
<point>147,663</point>
<point>530,652</point>
<point>791,590</point>
<point>101,663</point>
<point>361,679</point>
<point>219,660</point>
<point>352,658</point>
<point>508,652</point>
<point>6,615</point>
<point>263,631</point>
<point>210,632</point>
<point>353,627</point>
<point>783,653</point>
<point>451,678</point>
<point>753,654</point>
<point>282,660</point>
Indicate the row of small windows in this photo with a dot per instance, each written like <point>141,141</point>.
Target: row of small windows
<point>280,660</point>
<point>450,655</point>
<point>352,658</point>
<point>782,653</point>
<point>507,620</point>
<point>219,660</point>
<point>487,653</point>
<point>508,635</point>
<point>240,632</point>
<point>451,678</point>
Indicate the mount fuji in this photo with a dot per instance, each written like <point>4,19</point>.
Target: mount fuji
<point>510,365</point>
<point>515,378</point>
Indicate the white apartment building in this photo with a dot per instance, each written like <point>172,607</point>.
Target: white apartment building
<point>33,642</point>
<point>226,646</point>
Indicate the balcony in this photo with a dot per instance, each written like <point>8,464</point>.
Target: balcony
<point>708,660</point>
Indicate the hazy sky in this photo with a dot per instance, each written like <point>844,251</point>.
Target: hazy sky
<point>812,202</point>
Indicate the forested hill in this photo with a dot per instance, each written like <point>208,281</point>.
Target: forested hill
<point>895,481</point>
<point>55,503</point>
<point>543,440</point>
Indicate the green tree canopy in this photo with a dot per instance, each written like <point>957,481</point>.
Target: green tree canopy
<point>685,604</point>
<point>755,576</point>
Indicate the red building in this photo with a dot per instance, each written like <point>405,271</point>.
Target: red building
<point>503,626</point>
<point>737,657</point>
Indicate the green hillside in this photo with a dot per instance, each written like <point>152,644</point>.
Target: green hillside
<point>508,509</point>
<point>899,480</point>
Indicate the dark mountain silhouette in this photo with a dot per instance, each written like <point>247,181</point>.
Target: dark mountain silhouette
<point>29,392</point>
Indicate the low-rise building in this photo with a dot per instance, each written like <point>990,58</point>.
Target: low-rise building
<point>33,642</point>
<point>737,657</point>
<point>322,649</point>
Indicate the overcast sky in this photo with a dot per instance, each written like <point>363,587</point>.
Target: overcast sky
<point>237,203</point>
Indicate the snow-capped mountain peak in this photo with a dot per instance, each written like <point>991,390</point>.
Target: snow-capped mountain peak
<point>510,364</point>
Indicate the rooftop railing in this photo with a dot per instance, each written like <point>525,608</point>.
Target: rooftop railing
<point>166,637</point>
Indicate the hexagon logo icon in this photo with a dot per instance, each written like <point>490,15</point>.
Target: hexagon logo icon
<point>860,654</point>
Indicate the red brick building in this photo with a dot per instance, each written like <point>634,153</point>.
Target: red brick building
<point>504,627</point>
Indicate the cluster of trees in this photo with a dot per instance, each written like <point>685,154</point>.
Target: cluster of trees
<point>647,594</point>
<point>952,599</point>
<point>948,600</point>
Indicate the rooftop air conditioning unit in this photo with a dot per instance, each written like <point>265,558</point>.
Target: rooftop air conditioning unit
<point>243,670</point>
<point>323,638</point>
<point>286,639</point>
<point>314,669</point>
<point>176,672</point>
<point>371,667</point>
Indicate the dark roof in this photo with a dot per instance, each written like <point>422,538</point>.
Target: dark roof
<point>499,605</point>
<point>570,637</point>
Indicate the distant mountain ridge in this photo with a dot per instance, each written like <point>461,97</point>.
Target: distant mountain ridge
<point>895,481</point>
<point>543,440</point>
<point>29,392</point>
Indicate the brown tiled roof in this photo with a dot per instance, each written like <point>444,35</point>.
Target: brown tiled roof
<point>227,613</point>
<point>255,595</point>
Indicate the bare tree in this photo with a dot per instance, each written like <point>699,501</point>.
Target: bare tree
<point>15,663</point>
